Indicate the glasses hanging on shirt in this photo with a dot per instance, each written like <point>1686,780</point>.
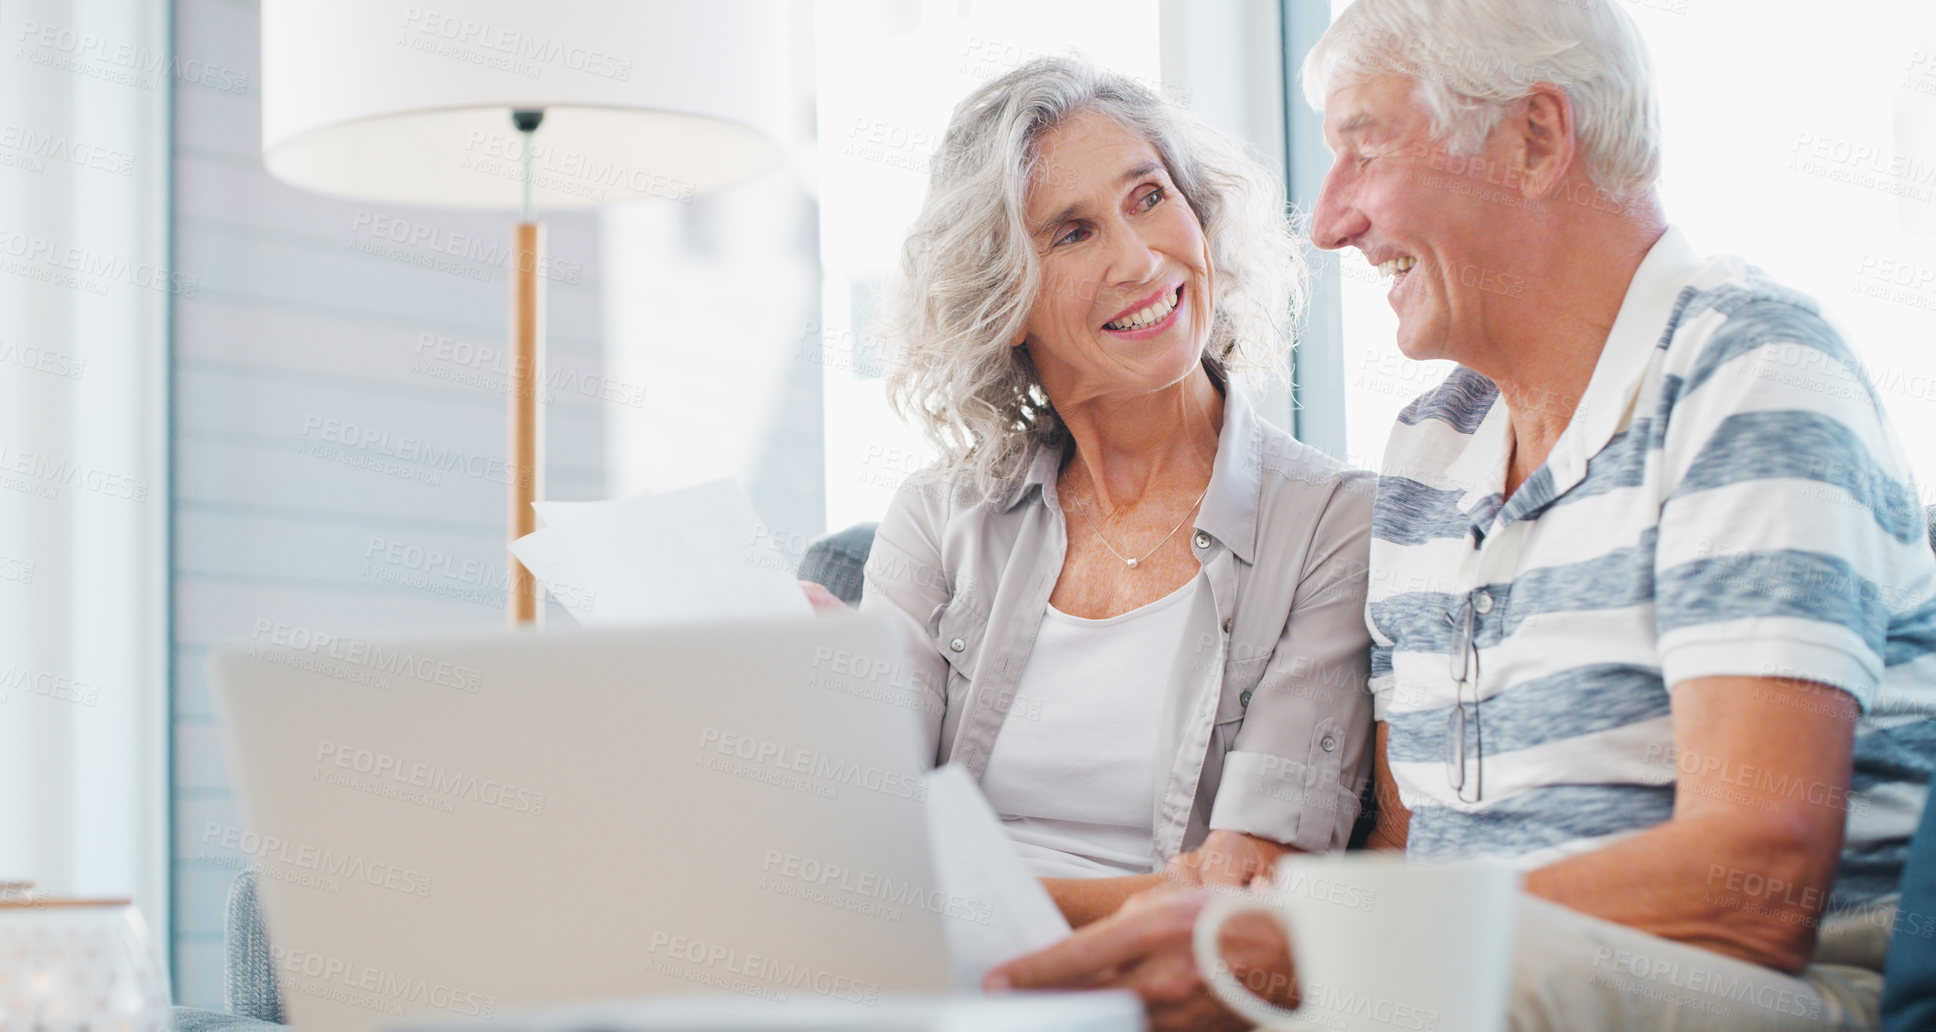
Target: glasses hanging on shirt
<point>1462,765</point>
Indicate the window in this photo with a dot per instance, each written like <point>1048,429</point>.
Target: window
<point>889,76</point>
<point>1804,142</point>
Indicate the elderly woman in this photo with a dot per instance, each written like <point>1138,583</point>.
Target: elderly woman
<point>1138,606</point>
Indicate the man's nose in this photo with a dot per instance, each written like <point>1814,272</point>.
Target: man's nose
<point>1336,221</point>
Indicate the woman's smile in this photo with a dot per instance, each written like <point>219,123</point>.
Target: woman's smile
<point>1147,319</point>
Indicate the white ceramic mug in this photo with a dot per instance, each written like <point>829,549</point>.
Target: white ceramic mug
<point>1378,943</point>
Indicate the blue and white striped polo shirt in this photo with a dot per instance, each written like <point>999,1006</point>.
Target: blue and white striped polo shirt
<point>1729,499</point>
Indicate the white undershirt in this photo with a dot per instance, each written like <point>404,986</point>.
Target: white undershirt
<point>1073,772</point>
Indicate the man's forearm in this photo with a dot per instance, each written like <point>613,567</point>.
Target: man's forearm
<point>1745,865</point>
<point>1707,882</point>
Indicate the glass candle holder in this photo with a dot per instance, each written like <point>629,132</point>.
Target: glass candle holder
<point>77,966</point>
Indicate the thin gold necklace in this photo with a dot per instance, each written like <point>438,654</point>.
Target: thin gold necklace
<point>1127,561</point>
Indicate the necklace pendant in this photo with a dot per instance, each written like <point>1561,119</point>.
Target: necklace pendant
<point>1131,562</point>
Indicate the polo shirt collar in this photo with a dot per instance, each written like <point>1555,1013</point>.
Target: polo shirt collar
<point>1606,406</point>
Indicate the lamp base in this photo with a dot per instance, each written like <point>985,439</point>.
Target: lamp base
<point>525,465</point>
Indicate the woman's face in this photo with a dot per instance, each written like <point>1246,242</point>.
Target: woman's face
<point>1124,306</point>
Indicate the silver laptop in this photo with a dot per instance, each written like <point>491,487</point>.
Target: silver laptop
<point>457,826</point>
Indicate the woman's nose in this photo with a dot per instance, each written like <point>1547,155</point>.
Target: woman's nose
<point>1135,258</point>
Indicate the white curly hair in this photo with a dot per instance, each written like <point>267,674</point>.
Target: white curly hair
<point>970,271</point>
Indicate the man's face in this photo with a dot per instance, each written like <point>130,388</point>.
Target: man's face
<point>1392,193</point>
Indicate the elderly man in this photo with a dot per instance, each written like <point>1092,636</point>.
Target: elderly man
<point>1650,593</point>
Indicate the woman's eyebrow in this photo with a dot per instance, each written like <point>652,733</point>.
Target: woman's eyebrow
<point>1075,209</point>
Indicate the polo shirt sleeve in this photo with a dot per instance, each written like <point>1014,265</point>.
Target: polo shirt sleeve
<point>1788,526</point>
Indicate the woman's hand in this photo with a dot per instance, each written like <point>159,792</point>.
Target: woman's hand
<point>1227,858</point>
<point>823,600</point>
<point>1145,947</point>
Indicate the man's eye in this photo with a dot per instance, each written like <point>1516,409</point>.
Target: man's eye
<point>1075,235</point>
<point>1364,159</point>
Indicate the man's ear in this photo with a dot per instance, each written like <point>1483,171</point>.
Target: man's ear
<point>1540,130</point>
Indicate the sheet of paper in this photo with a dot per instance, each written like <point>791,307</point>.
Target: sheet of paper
<point>680,557</point>
<point>974,862</point>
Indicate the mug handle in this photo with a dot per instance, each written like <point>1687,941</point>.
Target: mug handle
<point>1203,942</point>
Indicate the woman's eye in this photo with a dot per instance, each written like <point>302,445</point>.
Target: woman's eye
<point>1075,235</point>
<point>1152,199</point>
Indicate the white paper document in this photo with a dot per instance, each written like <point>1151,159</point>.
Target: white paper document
<point>680,557</point>
<point>975,862</point>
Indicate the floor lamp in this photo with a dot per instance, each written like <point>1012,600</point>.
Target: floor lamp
<point>508,104</point>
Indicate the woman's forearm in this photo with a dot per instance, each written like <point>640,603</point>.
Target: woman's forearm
<point>1089,899</point>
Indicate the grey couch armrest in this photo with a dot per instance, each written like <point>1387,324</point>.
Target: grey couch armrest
<point>249,981</point>
<point>189,1019</point>
<point>837,561</point>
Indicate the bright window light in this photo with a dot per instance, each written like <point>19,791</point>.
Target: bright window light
<point>888,78</point>
<point>1802,138</point>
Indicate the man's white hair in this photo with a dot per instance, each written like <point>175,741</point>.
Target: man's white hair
<point>1471,58</point>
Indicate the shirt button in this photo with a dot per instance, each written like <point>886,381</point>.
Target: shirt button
<point>1226,625</point>
<point>1244,699</point>
<point>1327,743</point>
<point>957,645</point>
<point>1482,602</point>
<point>1203,540</point>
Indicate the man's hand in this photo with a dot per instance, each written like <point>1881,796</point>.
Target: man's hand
<point>1227,858</point>
<point>1145,947</point>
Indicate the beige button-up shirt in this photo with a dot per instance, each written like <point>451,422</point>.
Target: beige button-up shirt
<point>1267,726</point>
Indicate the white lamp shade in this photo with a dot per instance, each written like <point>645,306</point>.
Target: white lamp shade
<point>410,102</point>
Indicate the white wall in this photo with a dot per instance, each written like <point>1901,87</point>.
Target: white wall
<point>308,316</point>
